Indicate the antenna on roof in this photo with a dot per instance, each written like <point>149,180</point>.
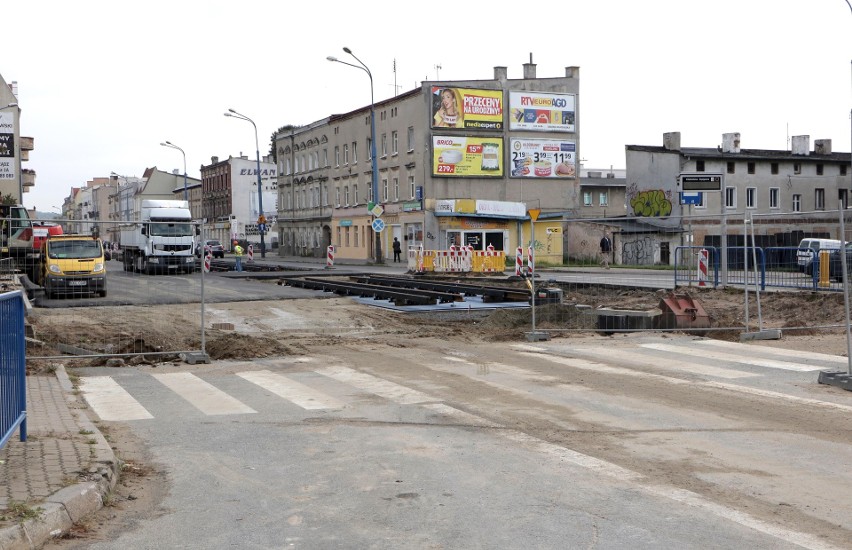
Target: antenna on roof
<point>438,72</point>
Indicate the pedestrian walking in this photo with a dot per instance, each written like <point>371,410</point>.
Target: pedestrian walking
<point>606,250</point>
<point>238,253</point>
<point>397,249</point>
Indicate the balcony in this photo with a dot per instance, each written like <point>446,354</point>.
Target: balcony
<point>27,144</point>
<point>28,177</point>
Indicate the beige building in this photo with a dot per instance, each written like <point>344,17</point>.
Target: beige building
<point>15,180</point>
<point>457,162</point>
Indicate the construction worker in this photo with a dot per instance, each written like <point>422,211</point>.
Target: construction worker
<point>238,252</point>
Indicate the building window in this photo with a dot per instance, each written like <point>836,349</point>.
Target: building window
<point>410,139</point>
<point>384,145</point>
<point>699,165</point>
<point>587,198</point>
<point>730,197</point>
<point>774,168</point>
<point>369,149</point>
<point>797,168</point>
<point>346,154</point>
<point>325,157</point>
<point>797,203</point>
<point>603,199</point>
<point>396,188</point>
<point>774,194</point>
<point>346,233</point>
<point>355,235</point>
<point>346,195</point>
<point>411,187</point>
<point>394,142</point>
<point>337,196</point>
<point>354,193</point>
<point>751,195</point>
<point>732,167</point>
<point>751,168</point>
<point>385,189</point>
<point>842,169</point>
<point>819,199</point>
<point>354,152</point>
<point>820,169</point>
<point>370,194</point>
<point>336,155</point>
<point>701,201</point>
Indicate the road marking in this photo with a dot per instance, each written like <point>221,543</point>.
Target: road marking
<point>295,392</point>
<point>110,401</point>
<point>600,367</point>
<point>663,363</point>
<point>202,395</point>
<point>776,351</point>
<point>768,363</point>
<point>378,386</point>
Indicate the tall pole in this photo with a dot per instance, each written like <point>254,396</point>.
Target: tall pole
<point>261,229</point>
<point>379,259</point>
<point>173,146</point>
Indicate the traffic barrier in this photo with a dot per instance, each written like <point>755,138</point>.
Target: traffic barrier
<point>329,257</point>
<point>530,261</point>
<point>703,256</point>
<point>457,260</point>
<point>207,258</point>
<point>519,262</point>
<point>250,253</point>
<point>824,269</point>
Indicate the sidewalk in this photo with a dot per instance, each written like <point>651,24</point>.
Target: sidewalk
<point>63,470</point>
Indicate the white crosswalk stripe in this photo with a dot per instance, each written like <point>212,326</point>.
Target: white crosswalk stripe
<point>110,401</point>
<point>295,392</point>
<point>378,386</point>
<point>682,365</point>
<point>202,395</point>
<point>777,352</point>
<point>734,358</point>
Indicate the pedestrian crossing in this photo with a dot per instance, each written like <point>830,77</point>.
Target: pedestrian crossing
<point>334,387</point>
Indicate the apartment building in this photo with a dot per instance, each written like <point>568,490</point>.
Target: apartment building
<point>457,162</point>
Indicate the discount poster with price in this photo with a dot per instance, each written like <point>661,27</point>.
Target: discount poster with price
<point>542,158</point>
<point>467,156</point>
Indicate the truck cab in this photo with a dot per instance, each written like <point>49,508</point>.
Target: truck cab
<point>16,240</point>
<point>73,264</point>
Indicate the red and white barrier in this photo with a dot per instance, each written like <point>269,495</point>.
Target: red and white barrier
<point>530,261</point>
<point>329,257</point>
<point>207,256</point>
<point>251,253</point>
<point>703,255</point>
<point>519,262</point>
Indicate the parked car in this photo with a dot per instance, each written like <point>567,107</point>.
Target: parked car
<point>835,263</point>
<point>216,248</point>
<point>809,249</point>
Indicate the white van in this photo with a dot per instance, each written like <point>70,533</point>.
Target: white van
<point>808,250</point>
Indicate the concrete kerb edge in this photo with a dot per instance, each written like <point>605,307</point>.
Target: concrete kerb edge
<point>71,504</point>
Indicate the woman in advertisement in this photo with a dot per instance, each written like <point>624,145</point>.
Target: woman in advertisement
<point>447,113</point>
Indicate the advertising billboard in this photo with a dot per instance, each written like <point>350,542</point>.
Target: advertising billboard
<point>7,147</point>
<point>542,158</point>
<point>467,108</point>
<point>467,156</point>
<point>541,112</point>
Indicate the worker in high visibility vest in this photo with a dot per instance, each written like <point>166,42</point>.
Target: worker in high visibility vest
<point>238,252</point>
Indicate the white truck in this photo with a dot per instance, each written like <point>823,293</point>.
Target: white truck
<point>163,240</point>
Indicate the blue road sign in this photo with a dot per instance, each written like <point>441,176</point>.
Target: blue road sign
<point>378,225</point>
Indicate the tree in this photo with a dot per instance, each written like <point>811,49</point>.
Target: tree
<point>272,152</point>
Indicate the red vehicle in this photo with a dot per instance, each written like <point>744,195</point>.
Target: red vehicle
<point>41,231</point>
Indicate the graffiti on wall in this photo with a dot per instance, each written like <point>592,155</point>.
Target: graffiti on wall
<point>650,203</point>
<point>640,251</point>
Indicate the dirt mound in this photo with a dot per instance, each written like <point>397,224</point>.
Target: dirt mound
<point>245,346</point>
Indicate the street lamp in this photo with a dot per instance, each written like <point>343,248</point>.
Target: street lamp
<point>375,180</point>
<point>261,229</point>
<point>173,146</point>
<point>20,173</point>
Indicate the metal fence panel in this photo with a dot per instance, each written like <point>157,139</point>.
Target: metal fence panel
<point>13,386</point>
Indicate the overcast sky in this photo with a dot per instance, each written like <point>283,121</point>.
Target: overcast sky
<point>102,83</point>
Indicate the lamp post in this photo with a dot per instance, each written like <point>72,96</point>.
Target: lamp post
<point>18,154</point>
<point>261,229</point>
<point>374,168</point>
<point>173,146</point>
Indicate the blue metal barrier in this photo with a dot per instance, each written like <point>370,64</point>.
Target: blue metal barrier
<point>13,370</point>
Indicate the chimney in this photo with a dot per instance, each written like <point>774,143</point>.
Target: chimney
<point>529,69</point>
<point>801,145</point>
<point>176,172</point>
<point>501,74</point>
<point>595,174</point>
<point>822,146</point>
<point>214,160</point>
<point>671,141</point>
<point>731,142</point>
<point>572,72</point>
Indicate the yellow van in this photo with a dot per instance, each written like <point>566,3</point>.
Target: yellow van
<point>73,264</point>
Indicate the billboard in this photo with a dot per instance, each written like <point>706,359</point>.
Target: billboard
<point>7,147</point>
<point>542,112</point>
<point>467,156</point>
<point>543,158</point>
<point>467,108</point>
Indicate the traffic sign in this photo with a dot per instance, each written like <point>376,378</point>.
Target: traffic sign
<point>701,182</point>
<point>690,198</point>
<point>261,227</point>
<point>534,212</point>
<point>377,210</point>
<point>378,225</point>
<point>261,219</point>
